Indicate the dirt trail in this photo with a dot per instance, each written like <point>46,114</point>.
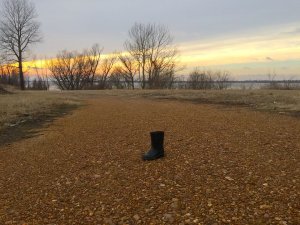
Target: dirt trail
<point>223,166</point>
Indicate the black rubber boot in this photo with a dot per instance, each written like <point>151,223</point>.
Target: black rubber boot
<point>157,146</point>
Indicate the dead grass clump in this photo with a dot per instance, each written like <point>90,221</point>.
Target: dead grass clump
<point>281,101</point>
<point>3,91</point>
<point>22,106</point>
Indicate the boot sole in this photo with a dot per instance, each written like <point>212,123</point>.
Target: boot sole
<point>153,158</point>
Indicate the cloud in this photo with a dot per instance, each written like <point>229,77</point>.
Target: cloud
<point>293,31</point>
<point>78,24</point>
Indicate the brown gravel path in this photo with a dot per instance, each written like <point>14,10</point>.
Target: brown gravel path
<point>223,166</point>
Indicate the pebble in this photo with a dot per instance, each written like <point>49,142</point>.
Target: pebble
<point>148,210</point>
<point>229,178</point>
<point>108,221</point>
<point>136,217</point>
<point>187,221</point>
<point>264,206</point>
<point>174,205</point>
<point>168,217</point>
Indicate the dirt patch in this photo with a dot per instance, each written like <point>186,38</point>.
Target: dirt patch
<point>222,166</point>
<point>29,126</point>
<point>3,91</point>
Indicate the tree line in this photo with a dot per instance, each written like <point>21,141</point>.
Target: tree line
<point>150,59</point>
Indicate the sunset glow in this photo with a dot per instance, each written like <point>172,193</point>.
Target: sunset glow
<point>244,55</point>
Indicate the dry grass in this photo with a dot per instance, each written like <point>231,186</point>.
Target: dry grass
<point>3,91</point>
<point>280,101</point>
<point>269,100</point>
<point>21,106</point>
<point>15,107</point>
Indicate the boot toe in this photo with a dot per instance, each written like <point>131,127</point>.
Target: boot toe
<point>148,157</point>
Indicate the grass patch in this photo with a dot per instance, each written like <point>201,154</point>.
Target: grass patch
<point>20,107</point>
<point>3,91</point>
<point>267,100</point>
<point>29,127</point>
<point>279,101</point>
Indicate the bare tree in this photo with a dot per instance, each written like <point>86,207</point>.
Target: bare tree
<point>18,30</point>
<point>200,80</point>
<point>73,70</point>
<point>40,80</point>
<point>8,72</point>
<point>273,84</point>
<point>288,84</point>
<point>222,80</point>
<point>208,80</point>
<point>94,59</point>
<point>161,76</point>
<point>284,84</point>
<point>151,46</point>
<point>9,75</point>
<point>106,68</point>
<point>1,71</point>
<point>117,79</point>
<point>129,68</point>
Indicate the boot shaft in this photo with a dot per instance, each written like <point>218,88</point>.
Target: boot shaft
<point>157,139</point>
<point>157,146</point>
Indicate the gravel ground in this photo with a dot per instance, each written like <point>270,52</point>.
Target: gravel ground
<point>223,165</point>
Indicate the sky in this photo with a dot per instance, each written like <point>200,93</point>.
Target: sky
<point>248,38</point>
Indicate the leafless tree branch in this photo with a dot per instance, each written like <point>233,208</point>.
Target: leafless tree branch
<point>73,70</point>
<point>151,47</point>
<point>19,29</point>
